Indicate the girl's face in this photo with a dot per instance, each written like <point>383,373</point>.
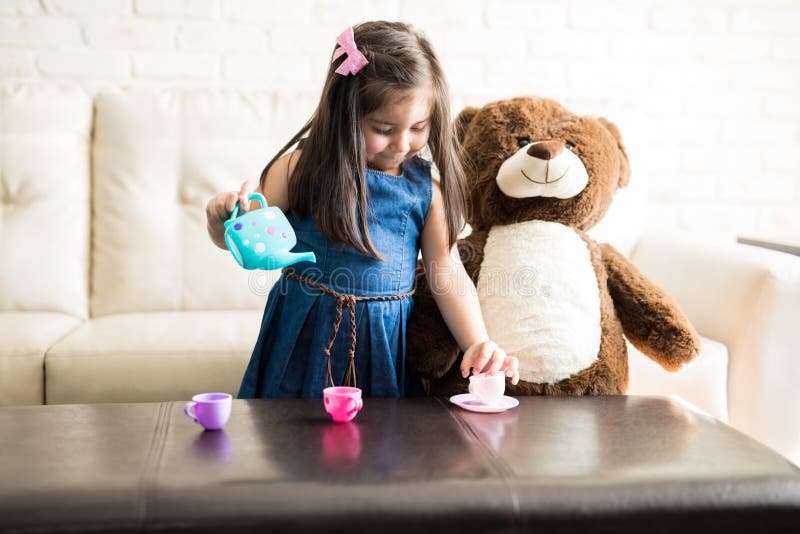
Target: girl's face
<point>398,130</point>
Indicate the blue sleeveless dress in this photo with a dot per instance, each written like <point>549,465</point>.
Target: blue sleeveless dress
<point>288,360</point>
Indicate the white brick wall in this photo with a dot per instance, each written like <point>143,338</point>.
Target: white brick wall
<point>707,96</point>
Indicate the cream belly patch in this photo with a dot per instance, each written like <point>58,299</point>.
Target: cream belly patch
<point>540,299</point>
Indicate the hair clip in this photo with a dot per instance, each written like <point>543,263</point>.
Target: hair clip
<point>355,60</point>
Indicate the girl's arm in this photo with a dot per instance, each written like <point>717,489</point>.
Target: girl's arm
<point>457,298</point>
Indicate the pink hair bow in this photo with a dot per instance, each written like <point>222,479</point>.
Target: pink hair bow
<point>355,60</point>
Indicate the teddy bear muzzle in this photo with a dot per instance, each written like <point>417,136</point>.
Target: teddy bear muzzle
<point>543,169</point>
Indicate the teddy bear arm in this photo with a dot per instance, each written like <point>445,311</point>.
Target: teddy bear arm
<point>431,349</point>
<point>650,318</point>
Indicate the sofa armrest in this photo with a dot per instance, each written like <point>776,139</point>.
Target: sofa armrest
<point>748,299</point>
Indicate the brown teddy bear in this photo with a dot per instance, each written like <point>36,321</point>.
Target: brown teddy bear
<point>540,176</point>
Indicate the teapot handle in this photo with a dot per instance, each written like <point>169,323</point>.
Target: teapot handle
<point>251,196</point>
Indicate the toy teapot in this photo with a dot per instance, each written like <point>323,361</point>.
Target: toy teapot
<point>262,238</point>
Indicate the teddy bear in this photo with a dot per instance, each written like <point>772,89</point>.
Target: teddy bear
<point>539,176</point>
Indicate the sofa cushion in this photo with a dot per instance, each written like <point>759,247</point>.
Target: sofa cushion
<point>159,156</point>
<point>26,336</point>
<point>147,357</point>
<point>44,198</point>
<point>703,382</point>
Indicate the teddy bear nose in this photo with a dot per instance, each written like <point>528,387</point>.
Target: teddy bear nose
<point>546,150</point>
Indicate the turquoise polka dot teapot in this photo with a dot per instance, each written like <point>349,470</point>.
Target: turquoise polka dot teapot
<point>262,238</point>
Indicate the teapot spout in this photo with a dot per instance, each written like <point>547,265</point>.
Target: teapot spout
<point>284,258</point>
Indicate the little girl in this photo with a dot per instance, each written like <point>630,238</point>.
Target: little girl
<point>358,194</point>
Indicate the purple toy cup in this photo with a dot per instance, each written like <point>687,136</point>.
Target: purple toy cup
<point>210,410</point>
<point>342,402</point>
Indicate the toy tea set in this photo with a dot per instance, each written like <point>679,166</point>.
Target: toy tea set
<point>263,239</point>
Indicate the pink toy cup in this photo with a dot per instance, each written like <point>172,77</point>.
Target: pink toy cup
<point>342,402</point>
<point>210,410</point>
<point>488,388</point>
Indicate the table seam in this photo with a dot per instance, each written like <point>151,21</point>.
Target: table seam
<point>152,463</point>
<point>506,473</point>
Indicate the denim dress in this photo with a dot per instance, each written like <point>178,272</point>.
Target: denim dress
<point>288,360</point>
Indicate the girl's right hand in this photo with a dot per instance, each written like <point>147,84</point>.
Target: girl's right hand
<point>219,209</point>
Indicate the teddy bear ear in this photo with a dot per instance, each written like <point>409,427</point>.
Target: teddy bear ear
<point>625,170</point>
<point>463,120</point>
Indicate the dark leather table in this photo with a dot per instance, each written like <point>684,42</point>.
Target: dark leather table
<point>600,464</point>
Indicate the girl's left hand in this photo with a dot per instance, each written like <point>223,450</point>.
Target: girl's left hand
<point>486,356</point>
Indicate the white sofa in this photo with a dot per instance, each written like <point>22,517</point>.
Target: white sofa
<point>110,290</point>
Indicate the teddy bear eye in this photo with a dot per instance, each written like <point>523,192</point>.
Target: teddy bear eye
<point>523,141</point>
<point>569,145</point>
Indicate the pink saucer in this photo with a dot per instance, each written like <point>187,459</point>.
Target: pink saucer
<point>468,401</point>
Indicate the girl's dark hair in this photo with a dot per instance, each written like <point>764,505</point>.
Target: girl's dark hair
<point>330,174</point>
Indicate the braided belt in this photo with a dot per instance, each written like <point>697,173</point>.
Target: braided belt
<point>348,301</point>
